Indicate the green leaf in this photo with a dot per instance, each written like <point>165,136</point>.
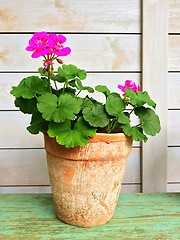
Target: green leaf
<point>58,109</point>
<point>96,116</point>
<point>89,89</point>
<point>86,102</point>
<point>103,89</point>
<point>79,83</point>
<point>122,118</point>
<point>139,98</point>
<point>151,123</point>
<point>135,132</point>
<point>38,124</point>
<point>81,87</point>
<point>72,83</point>
<point>29,87</point>
<point>26,105</point>
<point>58,78</point>
<point>70,69</point>
<point>114,105</point>
<point>81,74</point>
<point>66,90</point>
<point>40,70</point>
<point>69,137</point>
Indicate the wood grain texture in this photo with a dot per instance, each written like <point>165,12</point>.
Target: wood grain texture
<point>125,188</point>
<point>93,52</point>
<point>154,79</point>
<point>111,80</point>
<point>173,128</point>
<point>173,164</point>
<point>174,16</point>
<point>63,15</point>
<point>137,216</point>
<point>174,90</point>
<point>29,167</point>
<point>174,53</point>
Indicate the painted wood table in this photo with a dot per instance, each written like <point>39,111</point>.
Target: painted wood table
<point>137,216</point>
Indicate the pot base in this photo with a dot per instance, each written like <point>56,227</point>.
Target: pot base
<point>86,184</point>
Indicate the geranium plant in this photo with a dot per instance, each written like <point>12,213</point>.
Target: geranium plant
<point>56,105</point>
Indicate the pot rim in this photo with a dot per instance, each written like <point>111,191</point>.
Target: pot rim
<point>109,137</point>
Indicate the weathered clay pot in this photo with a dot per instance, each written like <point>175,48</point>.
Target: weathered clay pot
<point>86,180</point>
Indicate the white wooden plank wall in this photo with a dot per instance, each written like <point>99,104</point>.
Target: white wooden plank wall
<point>105,38</point>
<point>173,166</point>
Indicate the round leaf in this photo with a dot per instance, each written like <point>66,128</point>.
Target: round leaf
<point>151,123</point>
<point>114,105</point>
<point>29,87</point>
<point>96,116</point>
<point>103,89</point>
<point>58,109</point>
<point>69,137</point>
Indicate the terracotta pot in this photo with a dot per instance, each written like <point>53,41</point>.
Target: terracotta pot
<point>86,180</point>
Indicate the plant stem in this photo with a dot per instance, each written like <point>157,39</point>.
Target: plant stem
<point>79,92</point>
<point>49,84</point>
<point>138,124</point>
<point>55,85</point>
<point>131,111</point>
<point>64,87</point>
<point>111,126</point>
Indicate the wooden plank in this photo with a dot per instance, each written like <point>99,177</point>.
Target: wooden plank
<point>130,188</point>
<point>154,80</point>
<point>137,216</point>
<point>28,167</point>
<point>13,126</point>
<point>174,90</point>
<point>173,187</point>
<point>174,53</point>
<point>25,189</point>
<point>111,80</point>
<point>23,167</point>
<point>13,131</point>
<point>174,16</point>
<point>86,16</point>
<point>173,164</point>
<point>173,128</point>
<point>95,52</point>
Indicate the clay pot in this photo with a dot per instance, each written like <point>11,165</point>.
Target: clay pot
<point>86,181</point>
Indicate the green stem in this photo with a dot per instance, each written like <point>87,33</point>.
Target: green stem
<point>55,85</point>
<point>111,125</point>
<point>138,124</point>
<point>79,92</point>
<point>64,87</point>
<point>131,111</point>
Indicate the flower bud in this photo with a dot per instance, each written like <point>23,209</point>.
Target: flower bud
<point>59,61</point>
<point>44,70</point>
<point>50,72</point>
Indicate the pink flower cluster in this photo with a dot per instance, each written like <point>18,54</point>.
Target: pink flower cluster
<point>42,44</point>
<point>129,84</point>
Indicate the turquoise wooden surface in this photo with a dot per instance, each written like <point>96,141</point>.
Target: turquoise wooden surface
<point>137,216</point>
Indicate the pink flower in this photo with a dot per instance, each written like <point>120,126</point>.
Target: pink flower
<point>129,83</point>
<point>55,42</point>
<point>38,44</point>
<point>42,44</point>
<point>47,63</point>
